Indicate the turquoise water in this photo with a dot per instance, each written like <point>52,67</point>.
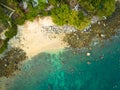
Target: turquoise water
<point>72,69</point>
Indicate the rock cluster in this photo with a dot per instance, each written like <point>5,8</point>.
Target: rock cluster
<point>59,29</point>
<point>9,61</point>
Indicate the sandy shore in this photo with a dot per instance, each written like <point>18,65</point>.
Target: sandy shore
<point>33,38</point>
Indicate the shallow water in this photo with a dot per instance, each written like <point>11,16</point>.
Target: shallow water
<point>72,70</point>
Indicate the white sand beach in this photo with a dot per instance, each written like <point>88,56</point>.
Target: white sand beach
<point>33,39</point>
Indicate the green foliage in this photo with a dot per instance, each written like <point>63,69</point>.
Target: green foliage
<point>87,4</point>
<point>99,7</point>
<point>78,20</point>
<point>4,46</point>
<point>31,14</point>
<point>42,1</point>
<point>64,15</point>
<point>53,2</point>
<point>84,23</point>
<point>11,32</point>
<point>61,15</point>
<point>19,20</point>
<point>42,5</point>
<point>108,8</point>
<point>75,18</point>
<point>57,2</point>
<point>3,17</point>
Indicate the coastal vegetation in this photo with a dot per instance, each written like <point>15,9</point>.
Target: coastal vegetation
<point>98,7</point>
<point>103,30</point>
<point>64,15</point>
<point>79,12</point>
<point>75,13</point>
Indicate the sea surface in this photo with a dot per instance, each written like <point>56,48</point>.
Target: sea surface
<point>72,69</point>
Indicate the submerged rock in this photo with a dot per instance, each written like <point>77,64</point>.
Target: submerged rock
<point>88,54</point>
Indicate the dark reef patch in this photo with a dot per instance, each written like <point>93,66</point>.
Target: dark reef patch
<point>10,60</point>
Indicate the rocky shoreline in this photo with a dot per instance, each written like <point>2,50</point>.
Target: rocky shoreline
<point>10,60</point>
<point>102,30</point>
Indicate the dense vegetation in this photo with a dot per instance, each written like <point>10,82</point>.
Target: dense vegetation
<point>64,15</point>
<point>98,7</point>
<point>63,12</point>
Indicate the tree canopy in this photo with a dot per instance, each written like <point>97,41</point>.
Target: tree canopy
<point>64,15</point>
<point>98,7</point>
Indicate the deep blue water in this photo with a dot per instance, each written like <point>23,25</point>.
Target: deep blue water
<point>72,69</point>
